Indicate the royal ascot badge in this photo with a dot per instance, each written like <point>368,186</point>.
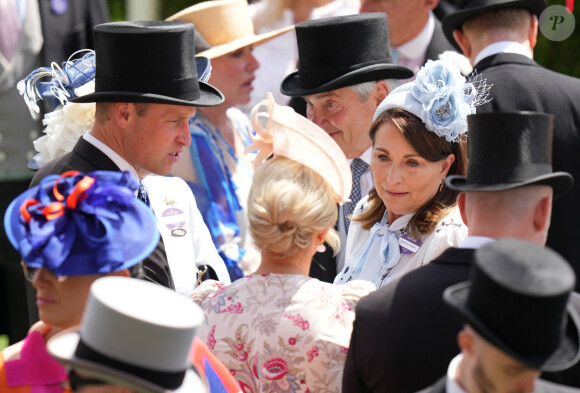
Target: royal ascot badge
<point>408,244</point>
<point>174,219</point>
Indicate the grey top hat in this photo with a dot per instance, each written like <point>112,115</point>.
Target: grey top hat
<point>509,150</point>
<point>136,334</point>
<point>149,61</point>
<point>518,300</point>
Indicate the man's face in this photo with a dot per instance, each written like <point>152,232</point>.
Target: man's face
<point>344,117</point>
<point>155,137</point>
<point>496,372</point>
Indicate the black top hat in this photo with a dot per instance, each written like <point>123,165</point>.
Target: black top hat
<point>470,8</point>
<point>150,61</point>
<point>509,150</point>
<point>342,51</point>
<point>518,300</point>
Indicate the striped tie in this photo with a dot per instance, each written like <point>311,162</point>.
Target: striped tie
<point>358,167</point>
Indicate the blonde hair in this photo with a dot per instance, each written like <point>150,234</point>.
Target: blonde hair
<point>289,203</point>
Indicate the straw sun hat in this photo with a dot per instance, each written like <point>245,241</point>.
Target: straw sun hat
<point>226,26</point>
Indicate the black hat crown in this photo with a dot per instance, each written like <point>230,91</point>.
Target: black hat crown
<point>342,51</point>
<point>509,150</point>
<point>469,8</point>
<point>149,61</point>
<point>518,300</point>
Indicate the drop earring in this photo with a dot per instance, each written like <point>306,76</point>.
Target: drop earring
<point>321,248</point>
<point>442,183</point>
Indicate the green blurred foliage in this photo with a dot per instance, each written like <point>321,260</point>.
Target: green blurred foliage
<point>3,342</point>
<point>168,7</point>
<point>562,56</point>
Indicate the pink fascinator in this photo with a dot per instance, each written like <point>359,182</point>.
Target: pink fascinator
<point>291,135</point>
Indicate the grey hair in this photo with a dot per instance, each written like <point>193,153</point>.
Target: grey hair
<point>364,90</point>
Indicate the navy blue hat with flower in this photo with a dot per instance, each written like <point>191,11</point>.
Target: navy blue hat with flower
<point>73,224</point>
<point>441,97</point>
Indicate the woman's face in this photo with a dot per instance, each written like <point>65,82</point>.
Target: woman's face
<point>404,180</point>
<point>61,302</point>
<point>233,74</point>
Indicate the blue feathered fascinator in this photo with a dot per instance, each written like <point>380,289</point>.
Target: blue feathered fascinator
<point>73,79</point>
<point>76,224</point>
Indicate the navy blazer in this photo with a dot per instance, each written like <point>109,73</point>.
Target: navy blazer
<point>404,335</point>
<point>87,158</point>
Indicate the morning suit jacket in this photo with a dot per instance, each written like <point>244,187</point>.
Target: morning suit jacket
<point>404,335</point>
<point>519,83</point>
<point>65,33</point>
<point>87,158</point>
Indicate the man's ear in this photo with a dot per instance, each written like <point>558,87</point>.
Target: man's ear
<point>465,339</point>
<point>533,31</point>
<point>543,213</point>
<point>121,113</point>
<point>463,42</point>
<point>381,92</point>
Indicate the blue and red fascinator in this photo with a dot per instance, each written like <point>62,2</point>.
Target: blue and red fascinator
<point>73,224</point>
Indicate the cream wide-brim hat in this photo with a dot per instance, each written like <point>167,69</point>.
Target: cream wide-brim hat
<point>226,25</point>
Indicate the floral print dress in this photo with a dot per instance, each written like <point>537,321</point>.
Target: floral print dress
<point>281,332</point>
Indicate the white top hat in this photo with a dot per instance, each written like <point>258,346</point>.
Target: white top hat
<point>136,334</point>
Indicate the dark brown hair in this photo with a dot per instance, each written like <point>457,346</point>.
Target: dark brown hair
<point>432,148</point>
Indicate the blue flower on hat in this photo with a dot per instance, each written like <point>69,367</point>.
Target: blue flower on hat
<point>82,224</point>
<point>445,98</point>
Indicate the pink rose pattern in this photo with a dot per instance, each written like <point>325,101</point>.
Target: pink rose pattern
<point>271,331</point>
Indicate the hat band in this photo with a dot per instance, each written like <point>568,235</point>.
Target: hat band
<point>168,380</point>
<point>313,77</point>
<point>184,89</point>
<point>505,173</point>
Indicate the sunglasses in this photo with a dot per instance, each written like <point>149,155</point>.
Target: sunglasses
<point>76,382</point>
<point>29,273</point>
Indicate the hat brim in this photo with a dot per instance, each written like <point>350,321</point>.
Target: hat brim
<point>255,40</point>
<point>291,85</point>
<point>561,182</point>
<point>564,357</point>
<point>140,213</point>
<point>209,96</point>
<point>62,347</point>
<point>455,20</point>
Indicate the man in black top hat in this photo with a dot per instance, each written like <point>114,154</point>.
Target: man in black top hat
<point>404,336</point>
<point>518,321</point>
<point>499,36</point>
<point>344,63</point>
<point>146,90</point>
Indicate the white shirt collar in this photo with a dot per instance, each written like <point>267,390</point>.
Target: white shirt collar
<point>452,386</point>
<point>116,158</point>
<point>365,156</point>
<point>475,242</point>
<point>417,46</point>
<point>503,47</point>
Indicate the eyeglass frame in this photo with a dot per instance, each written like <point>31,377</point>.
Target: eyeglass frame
<point>30,271</point>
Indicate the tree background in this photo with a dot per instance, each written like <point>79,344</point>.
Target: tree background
<point>562,56</point>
